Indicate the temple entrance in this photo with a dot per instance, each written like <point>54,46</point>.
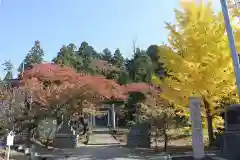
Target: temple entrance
<point>101,120</point>
<point>104,118</point>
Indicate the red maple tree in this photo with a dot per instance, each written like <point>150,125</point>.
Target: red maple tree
<point>51,84</point>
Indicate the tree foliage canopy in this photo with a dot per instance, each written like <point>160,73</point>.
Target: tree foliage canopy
<point>51,84</point>
<point>198,61</point>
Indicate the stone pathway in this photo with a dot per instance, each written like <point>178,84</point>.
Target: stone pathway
<point>102,139</point>
<point>102,146</point>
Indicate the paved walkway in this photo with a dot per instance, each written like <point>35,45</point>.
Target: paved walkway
<point>102,139</point>
<point>106,153</point>
<point>95,152</point>
<point>110,153</point>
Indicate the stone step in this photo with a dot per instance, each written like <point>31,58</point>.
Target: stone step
<point>101,139</point>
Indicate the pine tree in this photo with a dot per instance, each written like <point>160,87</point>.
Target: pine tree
<point>107,55</point>
<point>8,67</point>
<point>35,56</point>
<point>66,56</point>
<point>85,53</point>
<point>118,59</point>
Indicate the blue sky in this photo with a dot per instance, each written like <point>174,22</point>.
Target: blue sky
<point>106,23</point>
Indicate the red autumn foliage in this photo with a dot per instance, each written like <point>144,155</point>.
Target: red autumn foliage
<point>138,87</point>
<point>49,72</point>
<point>53,84</point>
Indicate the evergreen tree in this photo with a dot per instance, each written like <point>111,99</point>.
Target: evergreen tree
<point>153,52</point>
<point>140,67</point>
<point>35,56</point>
<point>117,59</point>
<point>107,55</point>
<point>85,54</point>
<point>66,56</point>
<point>8,67</point>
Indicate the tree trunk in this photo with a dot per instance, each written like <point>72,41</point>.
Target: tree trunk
<point>84,122</point>
<point>29,136</point>
<point>165,138</point>
<point>209,121</point>
<point>48,139</point>
<point>29,129</point>
<point>157,135</point>
<point>81,119</point>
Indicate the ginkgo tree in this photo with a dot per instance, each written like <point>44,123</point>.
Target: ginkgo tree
<point>197,60</point>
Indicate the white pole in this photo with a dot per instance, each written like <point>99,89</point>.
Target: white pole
<point>114,116</point>
<point>10,139</point>
<point>231,41</point>
<point>8,152</point>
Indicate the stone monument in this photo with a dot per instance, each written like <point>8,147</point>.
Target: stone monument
<point>139,136</point>
<point>232,132</point>
<point>65,136</point>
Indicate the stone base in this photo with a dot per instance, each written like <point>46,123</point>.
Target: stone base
<point>68,141</point>
<point>139,136</point>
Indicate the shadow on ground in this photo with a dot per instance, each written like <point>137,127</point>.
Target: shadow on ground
<point>174,151</point>
<point>110,152</point>
<point>92,152</point>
